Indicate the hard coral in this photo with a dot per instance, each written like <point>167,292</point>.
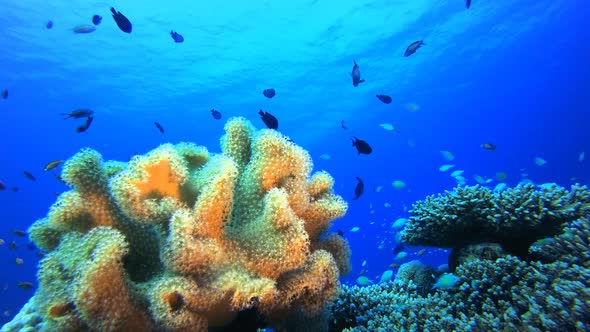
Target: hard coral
<point>180,239</point>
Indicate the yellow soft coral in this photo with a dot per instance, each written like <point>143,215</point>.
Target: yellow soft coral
<point>183,240</point>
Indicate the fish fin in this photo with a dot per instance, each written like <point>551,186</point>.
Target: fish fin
<point>113,11</point>
<point>361,81</point>
<point>261,112</point>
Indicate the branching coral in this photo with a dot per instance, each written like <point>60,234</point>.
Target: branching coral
<point>181,239</point>
<point>546,289</point>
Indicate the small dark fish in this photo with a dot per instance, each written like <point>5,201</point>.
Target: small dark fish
<point>413,47</point>
<point>2,186</point>
<point>29,176</point>
<point>398,248</point>
<point>19,232</point>
<point>178,38</point>
<point>12,245</point>
<point>49,24</point>
<point>25,285</point>
<point>159,126</point>
<point>356,75</point>
<point>269,93</point>
<point>58,177</point>
<point>340,233</point>
<point>78,114</point>
<point>467,3</point>
<point>122,22</point>
<point>343,125</point>
<point>361,146</point>
<point>96,19</point>
<point>421,252</point>
<point>14,189</point>
<point>489,146</point>
<point>84,28</point>
<point>86,125</point>
<point>4,94</point>
<point>52,164</point>
<point>216,114</point>
<point>384,98</point>
<point>269,120</point>
<point>359,189</point>
<point>31,246</point>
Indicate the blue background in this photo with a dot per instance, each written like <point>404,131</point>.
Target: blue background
<point>514,73</point>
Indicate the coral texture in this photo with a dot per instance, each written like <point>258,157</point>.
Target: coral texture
<point>181,239</point>
<point>544,288</point>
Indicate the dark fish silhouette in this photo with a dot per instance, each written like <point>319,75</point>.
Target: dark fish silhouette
<point>2,186</point>
<point>216,114</point>
<point>359,189</point>
<point>361,146</point>
<point>413,47</point>
<point>489,146</point>
<point>122,22</point>
<point>269,120</point>
<point>29,176</point>
<point>269,93</point>
<point>12,245</point>
<point>178,38</point>
<point>19,232</point>
<point>25,285</point>
<point>4,94</point>
<point>467,3</point>
<point>356,75</point>
<point>78,114</point>
<point>343,125</point>
<point>49,24</point>
<point>384,98</point>
<point>96,19</point>
<point>341,233</point>
<point>86,125</point>
<point>159,126</point>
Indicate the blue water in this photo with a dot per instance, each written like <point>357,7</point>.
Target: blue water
<point>514,73</point>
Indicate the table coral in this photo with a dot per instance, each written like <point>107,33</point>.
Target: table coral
<point>183,239</point>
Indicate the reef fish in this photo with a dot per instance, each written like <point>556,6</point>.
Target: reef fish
<point>78,114</point>
<point>122,22</point>
<point>356,75</point>
<point>49,24</point>
<point>52,164</point>
<point>29,176</point>
<point>359,189</point>
<point>384,98</point>
<point>216,114</point>
<point>269,120</point>
<point>488,146</point>
<point>19,232</point>
<point>25,284</point>
<point>467,3</point>
<point>4,94</point>
<point>96,19</point>
<point>178,38</point>
<point>413,47</point>
<point>269,93</point>
<point>446,281</point>
<point>361,146</point>
<point>86,125</point>
<point>159,126</point>
<point>2,186</point>
<point>84,28</point>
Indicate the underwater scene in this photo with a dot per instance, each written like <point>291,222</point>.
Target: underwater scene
<point>302,165</point>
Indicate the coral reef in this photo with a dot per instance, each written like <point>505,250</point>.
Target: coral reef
<point>546,287</point>
<point>181,239</point>
<point>514,218</point>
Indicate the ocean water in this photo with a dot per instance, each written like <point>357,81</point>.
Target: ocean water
<point>512,73</point>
